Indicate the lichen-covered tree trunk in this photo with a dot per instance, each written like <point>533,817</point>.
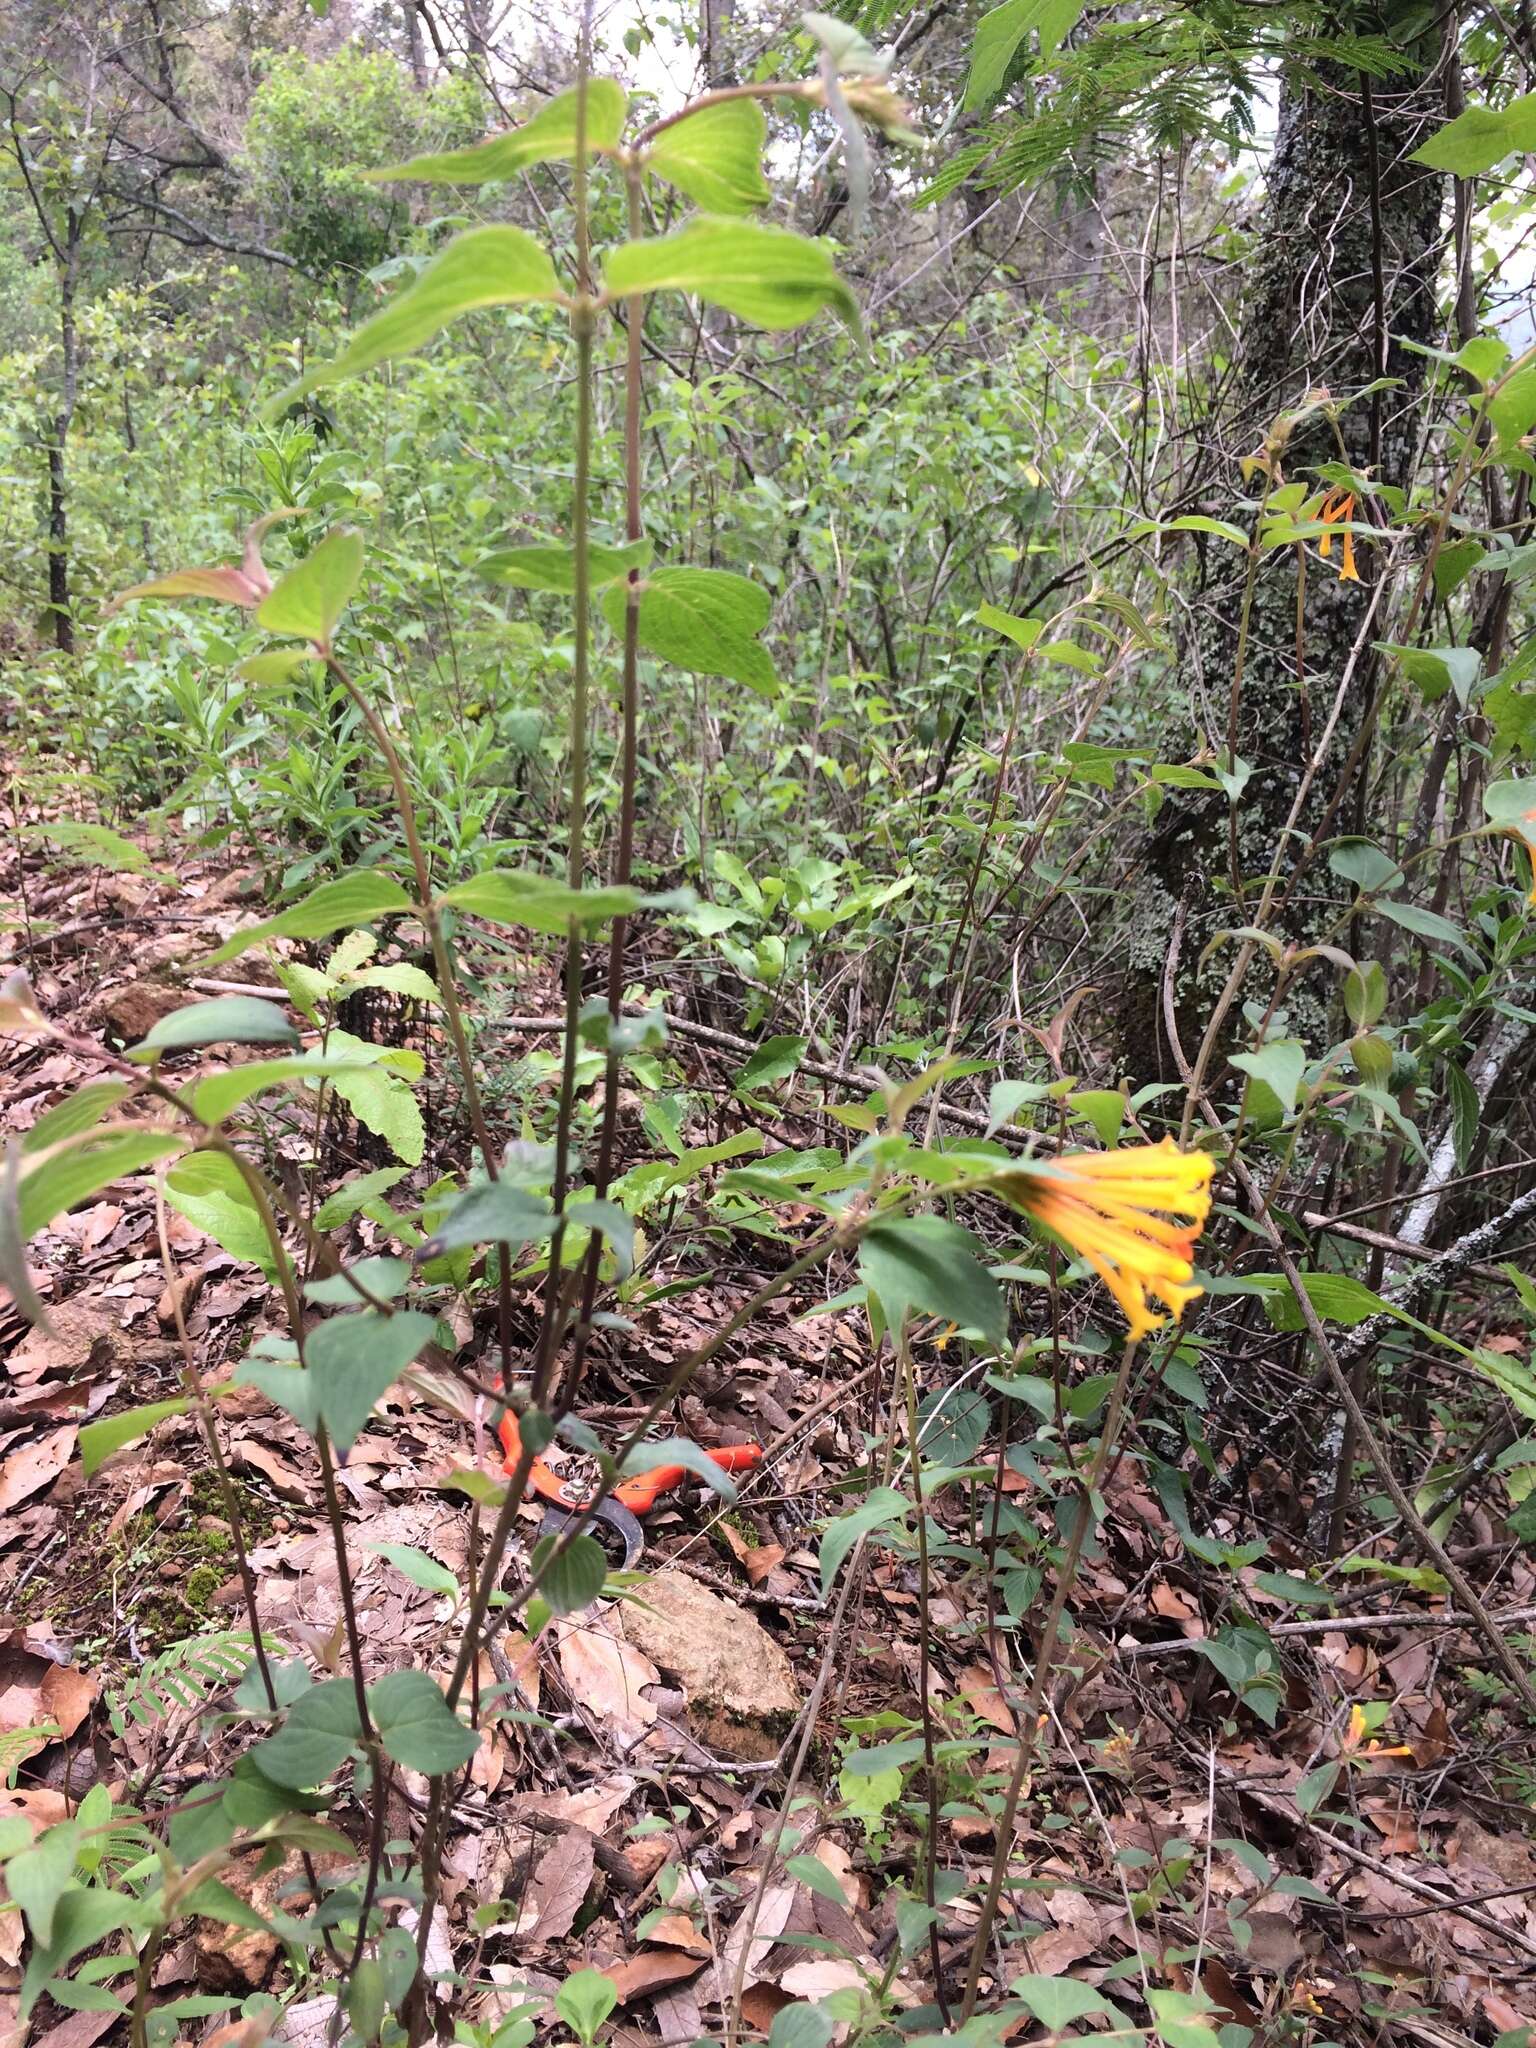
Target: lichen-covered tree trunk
<point>1342,277</point>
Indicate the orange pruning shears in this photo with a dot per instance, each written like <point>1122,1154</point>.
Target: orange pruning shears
<point>569,1500</point>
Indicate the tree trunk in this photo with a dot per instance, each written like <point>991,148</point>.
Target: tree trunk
<point>1344,274</point>
<point>58,497</point>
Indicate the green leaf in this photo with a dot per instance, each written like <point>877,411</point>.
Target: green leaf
<point>493,1213</point>
<point>217,1096</point>
<point>775,1060</point>
<point>313,595</point>
<point>1364,864</point>
<point>816,1877</point>
<point>226,1020</point>
<point>385,1277</point>
<point>952,1425</point>
<point>66,1178</point>
<point>353,899</point>
<point>39,1877</point>
<point>1438,669</point>
<point>380,1099</point>
<point>286,1385</point>
<point>75,1115</point>
<point>584,2001</point>
<point>320,1732</point>
<point>1104,1108</point>
<point>82,1918</point>
<point>999,34</point>
<point>98,845</point>
<point>768,276</point>
<point>880,1507</point>
<point>715,156</point>
<point>1022,632</point>
<point>549,138</point>
<point>551,564</point>
<point>576,1574</point>
<point>1315,1787</point>
<point>931,1264</point>
<point>1512,408</point>
<point>1424,924</point>
<point>487,266</point>
<point>207,1188</point>
<point>1279,1067</point>
<point>420,1569</point>
<point>1057,2001</point>
<point>357,1194</point>
<point>538,902</point>
<point>98,1440</point>
<point>1465,1112</point>
<point>1337,1298</point>
<point>1481,137</point>
<point>276,667</point>
<point>703,620</point>
<point>417,1726</point>
<point>801,2025</point>
<point>354,1359</point>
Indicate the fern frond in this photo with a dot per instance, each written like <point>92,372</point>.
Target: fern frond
<point>182,1676</point>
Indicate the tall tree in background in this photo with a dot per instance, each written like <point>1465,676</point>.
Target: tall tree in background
<point>1277,659</point>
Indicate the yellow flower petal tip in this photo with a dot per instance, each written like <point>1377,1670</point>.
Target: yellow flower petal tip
<point>1338,508</point>
<point>1105,1206</point>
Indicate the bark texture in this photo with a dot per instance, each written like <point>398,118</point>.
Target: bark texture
<point>1344,275</point>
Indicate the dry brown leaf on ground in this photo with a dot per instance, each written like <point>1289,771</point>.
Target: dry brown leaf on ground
<point>35,1690</point>
<point>762,1929</point>
<point>676,1930</point>
<point>34,1465</point>
<point>283,1478</point>
<point>76,2030</point>
<point>606,1675</point>
<point>760,1562</point>
<point>678,2019</point>
<point>561,1879</point>
<point>651,1969</point>
<point>978,1688</point>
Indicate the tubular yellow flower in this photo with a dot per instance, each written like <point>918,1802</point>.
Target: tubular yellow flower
<point>1102,1206</point>
<point>1338,508</point>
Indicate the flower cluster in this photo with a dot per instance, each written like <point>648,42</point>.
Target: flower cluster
<point>1103,1206</point>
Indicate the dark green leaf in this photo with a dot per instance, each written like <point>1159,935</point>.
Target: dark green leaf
<point>226,1020</point>
<point>320,1732</point>
<point>931,1264</point>
<point>577,1570</point>
<point>417,1726</point>
<point>354,1359</point>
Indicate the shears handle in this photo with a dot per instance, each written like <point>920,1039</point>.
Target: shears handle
<point>640,1492</point>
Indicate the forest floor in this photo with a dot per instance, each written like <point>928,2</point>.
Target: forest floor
<point>1169,1836</point>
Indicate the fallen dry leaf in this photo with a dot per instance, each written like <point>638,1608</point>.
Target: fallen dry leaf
<point>762,1929</point>
<point>606,1675</point>
<point>281,1476</point>
<point>676,1930</point>
<point>759,1563</point>
<point>651,1969</point>
<point>34,1465</point>
<point>561,1879</point>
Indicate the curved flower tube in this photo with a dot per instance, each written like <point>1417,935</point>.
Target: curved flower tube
<point>1102,1205</point>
